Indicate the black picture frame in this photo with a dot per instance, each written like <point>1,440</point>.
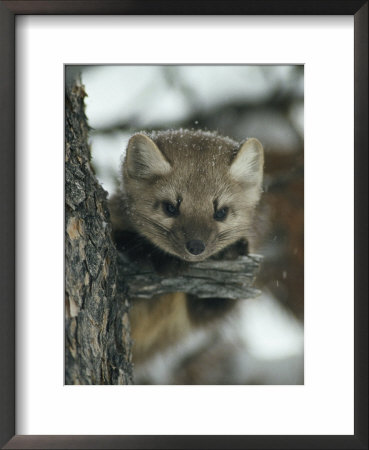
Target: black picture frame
<point>8,12</point>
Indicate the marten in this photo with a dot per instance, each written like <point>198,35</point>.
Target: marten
<point>185,196</point>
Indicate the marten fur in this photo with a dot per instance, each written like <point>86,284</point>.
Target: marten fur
<point>185,196</point>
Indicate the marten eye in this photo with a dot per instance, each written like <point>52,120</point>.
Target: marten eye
<point>170,209</point>
<point>221,214</point>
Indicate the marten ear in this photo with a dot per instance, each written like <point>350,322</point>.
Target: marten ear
<point>247,167</point>
<point>144,159</point>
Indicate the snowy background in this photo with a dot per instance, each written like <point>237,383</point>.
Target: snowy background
<point>263,343</point>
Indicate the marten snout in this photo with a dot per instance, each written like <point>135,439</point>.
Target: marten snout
<point>195,247</point>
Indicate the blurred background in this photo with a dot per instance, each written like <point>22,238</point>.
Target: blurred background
<point>263,342</point>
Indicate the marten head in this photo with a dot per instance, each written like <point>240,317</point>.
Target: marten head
<point>192,193</point>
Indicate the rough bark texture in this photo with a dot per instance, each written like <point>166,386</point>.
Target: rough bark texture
<point>207,279</point>
<point>97,335</point>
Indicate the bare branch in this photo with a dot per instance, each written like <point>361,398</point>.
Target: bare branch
<point>212,278</point>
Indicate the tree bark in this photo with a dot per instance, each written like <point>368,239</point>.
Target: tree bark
<point>97,334</point>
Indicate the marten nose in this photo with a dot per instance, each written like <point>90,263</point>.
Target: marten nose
<point>195,247</point>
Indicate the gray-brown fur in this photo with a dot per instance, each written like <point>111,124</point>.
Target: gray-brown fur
<point>202,176</point>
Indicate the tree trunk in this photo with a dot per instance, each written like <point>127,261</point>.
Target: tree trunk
<point>97,334</point>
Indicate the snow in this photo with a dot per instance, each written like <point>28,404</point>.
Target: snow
<point>152,95</point>
<point>120,94</point>
<point>107,155</point>
<point>269,329</point>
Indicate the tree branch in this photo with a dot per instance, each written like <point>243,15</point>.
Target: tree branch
<point>231,279</point>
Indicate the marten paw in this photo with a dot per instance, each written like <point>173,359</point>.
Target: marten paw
<point>168,266</point>
<point>239,248</point>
